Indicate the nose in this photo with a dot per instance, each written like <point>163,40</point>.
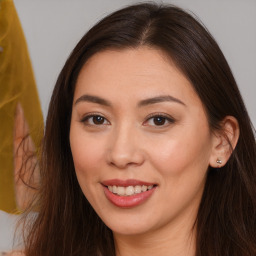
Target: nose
<point>125,149</point>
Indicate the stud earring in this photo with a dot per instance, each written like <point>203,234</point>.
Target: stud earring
<point>218,161</point>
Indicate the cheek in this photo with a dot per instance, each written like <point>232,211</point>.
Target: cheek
<point>182,164</point>
<point>87,152</point>
<point>87,156</point>
<point>184,151</point>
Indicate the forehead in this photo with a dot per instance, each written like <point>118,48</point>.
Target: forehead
<point>133,73</point>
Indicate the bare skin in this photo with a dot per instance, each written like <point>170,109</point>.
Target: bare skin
<point>14,253</point>
<point>121,133</point>
<point>25,162</point>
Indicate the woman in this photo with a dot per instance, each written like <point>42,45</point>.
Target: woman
<point>148,147</point>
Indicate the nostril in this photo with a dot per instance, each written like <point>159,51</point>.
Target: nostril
<point>123,164</point>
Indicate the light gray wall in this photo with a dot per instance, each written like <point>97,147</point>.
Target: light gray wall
<point>53,27</point>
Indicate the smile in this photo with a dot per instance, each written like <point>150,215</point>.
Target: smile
<point>128,193</point>
<point>130,190</point>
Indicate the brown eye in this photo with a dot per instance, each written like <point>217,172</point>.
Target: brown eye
<point>159,120</point>
<point>94,120</point>
<point>98,119</point>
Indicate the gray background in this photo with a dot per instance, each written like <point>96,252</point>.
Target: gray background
<point>53,27</point>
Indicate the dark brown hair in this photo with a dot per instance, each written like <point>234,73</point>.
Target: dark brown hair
<point>226,225</point>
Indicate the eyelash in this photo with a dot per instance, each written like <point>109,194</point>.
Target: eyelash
<point>166,118</point>
<point>85,119</point>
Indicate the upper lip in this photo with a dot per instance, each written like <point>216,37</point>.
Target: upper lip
<point>126,183</point>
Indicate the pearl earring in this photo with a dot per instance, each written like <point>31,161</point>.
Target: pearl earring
<point>218,161</point>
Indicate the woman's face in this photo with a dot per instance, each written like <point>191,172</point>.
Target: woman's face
<point>140,141</point>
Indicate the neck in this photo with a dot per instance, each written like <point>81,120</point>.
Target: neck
<point>173,240</point>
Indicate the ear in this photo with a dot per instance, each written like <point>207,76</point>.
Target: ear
<point>224,141</point>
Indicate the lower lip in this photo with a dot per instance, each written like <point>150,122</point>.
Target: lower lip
<point>128,201</point>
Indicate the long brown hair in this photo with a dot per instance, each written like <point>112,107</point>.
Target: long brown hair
<point>226,224</point>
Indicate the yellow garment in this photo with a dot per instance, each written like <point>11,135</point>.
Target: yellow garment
<point>17,84</point>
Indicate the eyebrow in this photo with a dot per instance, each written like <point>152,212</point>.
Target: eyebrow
<point>159,99</point>
<point>93,99</point>
<point>149,101</point>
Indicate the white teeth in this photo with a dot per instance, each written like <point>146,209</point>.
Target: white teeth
<point>121,191</point>
<point>144,188</point>
<point>137,189</point>
<point>130,190</point>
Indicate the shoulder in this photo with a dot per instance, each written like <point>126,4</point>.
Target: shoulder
<point>15,253</point>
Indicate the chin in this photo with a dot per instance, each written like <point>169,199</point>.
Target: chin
<point>130,230</point>
<point>129,224</point>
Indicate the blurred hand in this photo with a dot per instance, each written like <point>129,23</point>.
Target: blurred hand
<point>26,170</point>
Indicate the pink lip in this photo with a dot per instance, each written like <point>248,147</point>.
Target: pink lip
<point>127,201</point>
<point>125,183</point>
